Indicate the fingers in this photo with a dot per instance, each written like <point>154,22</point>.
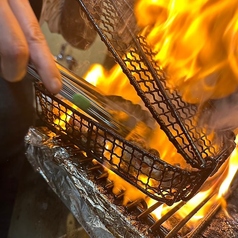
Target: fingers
<point>13,45</point>
<point>39,52</point>
<point>21,40</point>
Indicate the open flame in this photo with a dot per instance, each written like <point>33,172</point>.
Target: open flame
<point>218,191</point>
<point>112,82</point>
<point>196,47</point>
<point>196,43</point>
<point>115,82</point>
<point>231,173</point>
<point>218,198</point>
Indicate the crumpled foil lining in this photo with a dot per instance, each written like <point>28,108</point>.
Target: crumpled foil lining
<point>92,209</point>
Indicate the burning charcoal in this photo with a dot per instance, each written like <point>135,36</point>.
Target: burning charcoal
<point>58,110</point>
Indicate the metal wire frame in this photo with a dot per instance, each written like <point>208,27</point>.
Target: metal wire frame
<point>147,172</point>
<point>178,119</point>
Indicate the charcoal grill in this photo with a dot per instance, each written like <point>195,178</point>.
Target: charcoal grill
<point>165,182</point>
<point>86,189</point>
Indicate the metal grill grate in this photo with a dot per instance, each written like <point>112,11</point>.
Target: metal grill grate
<point>205,152</point>
<point>141,168</point>
<point>88,190</point>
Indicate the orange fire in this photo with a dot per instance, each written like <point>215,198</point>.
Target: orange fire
<point>196,43</point>
<point>115,82</point>
<point>112,82</point>
<point>166,149</point>
<point>63,114</point>
<point>218,198</point>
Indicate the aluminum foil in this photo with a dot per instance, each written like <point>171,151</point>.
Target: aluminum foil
<point>92,209</point>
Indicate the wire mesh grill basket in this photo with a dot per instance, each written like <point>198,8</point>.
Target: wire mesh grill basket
<point>146,171</point>
<point>143,169</point>
<point>177,118</point>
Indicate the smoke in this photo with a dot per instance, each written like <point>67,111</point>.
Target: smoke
<point>221,114</point>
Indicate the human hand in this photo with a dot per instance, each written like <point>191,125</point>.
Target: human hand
<point>21,40</point>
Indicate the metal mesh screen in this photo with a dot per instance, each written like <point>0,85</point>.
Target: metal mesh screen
<point>141,168</point>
